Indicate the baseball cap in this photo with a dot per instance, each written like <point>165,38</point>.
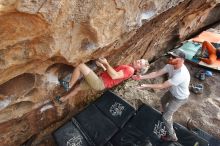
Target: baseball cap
<point>177,53</point>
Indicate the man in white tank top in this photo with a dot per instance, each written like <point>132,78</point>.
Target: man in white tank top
<point>178,84</point>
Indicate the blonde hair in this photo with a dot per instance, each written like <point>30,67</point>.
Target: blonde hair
<point>144,69</point>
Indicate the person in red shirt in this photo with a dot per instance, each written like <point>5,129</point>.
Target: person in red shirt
<point>109,78</point>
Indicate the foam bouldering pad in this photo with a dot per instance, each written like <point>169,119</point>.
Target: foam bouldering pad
<point>149,121</point>
<point>186,137</point>
<point>129,136</point>
<point>115,108</point>
<point>146,119</point>
<point>95,125</point>
<point>68,135</point>
<point>213,141</point>
<point>190,49</point>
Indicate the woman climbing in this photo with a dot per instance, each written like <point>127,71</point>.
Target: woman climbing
<point>110,77</point>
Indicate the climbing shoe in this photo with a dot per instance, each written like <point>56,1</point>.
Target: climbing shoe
<point>57,100</point>
<point>200,75</point>
<point>64,84</point>
<point>197,74</point>
<point>197,88</point>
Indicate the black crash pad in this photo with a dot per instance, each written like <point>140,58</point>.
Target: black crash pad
<point>95,125</point>
<point>106,123</point>
<point>115,108</point>
<point>149,121</point>
<point>146,119</point>
<point>139,132</point>
<point>186,137</point>
<point>129,136</point>
<point>69,135</point>
<point>213,141</point>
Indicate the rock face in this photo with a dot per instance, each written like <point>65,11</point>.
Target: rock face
<point>42,40</point>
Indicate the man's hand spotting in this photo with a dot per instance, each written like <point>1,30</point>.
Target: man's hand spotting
<point>143,86</point>
<point>136,77</point>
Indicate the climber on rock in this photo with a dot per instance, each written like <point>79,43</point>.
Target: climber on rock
<point>110,77</point>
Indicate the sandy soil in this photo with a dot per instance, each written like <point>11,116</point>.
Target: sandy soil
<point>204,108</point>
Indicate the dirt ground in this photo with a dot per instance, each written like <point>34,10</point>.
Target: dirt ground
<point>203,108</point>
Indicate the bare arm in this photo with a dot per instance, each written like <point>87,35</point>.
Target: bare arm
<point>113,74</point>
<point>163,85</point>
<point>150,75</point>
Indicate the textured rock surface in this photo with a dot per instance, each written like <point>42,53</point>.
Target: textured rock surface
<point>41,39</point>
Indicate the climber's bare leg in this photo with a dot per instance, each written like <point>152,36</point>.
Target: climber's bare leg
<point>81,68</point>
<point>75,76</point>
<point>72,93</point>
<point>84,69</point>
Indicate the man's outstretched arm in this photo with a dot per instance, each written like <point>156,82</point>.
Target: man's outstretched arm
<point>163,85</point>
<point>150,75</point>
